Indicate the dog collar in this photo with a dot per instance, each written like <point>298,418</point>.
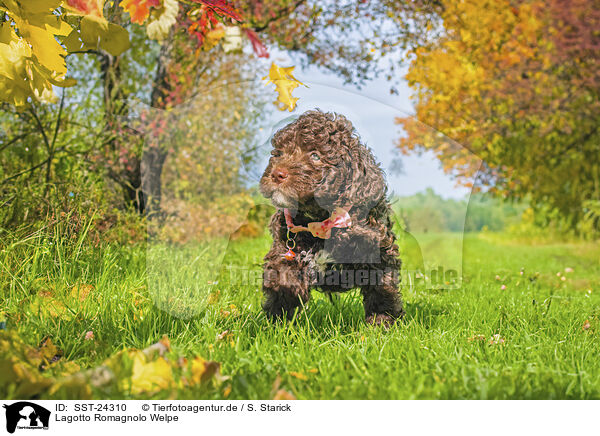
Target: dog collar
<point>321,229</point>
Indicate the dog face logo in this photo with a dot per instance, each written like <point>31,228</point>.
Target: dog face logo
<point>26,415</point>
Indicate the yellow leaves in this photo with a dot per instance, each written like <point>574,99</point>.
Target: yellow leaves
<point>149,376</point>
<point>213,37</point>
<point>32,60</point>
<point>298,375</point>
<point>20,366</point>
<point>285,83</point>
<point>81,292</point>
<point>49,53</point>
<point>162,19</point>
<point>94,31</point>
<point>128,372</point>
<point>95,34</point>
<point>201,371</point>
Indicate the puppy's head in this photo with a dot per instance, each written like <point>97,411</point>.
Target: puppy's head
<point>318,159</point>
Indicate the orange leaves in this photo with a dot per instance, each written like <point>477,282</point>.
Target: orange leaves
<point>92,8</point>
<point>298,375</point>
<point>139,9</point>
<point>222,8</point>
<point>283,395</point>
<point>285,83</point>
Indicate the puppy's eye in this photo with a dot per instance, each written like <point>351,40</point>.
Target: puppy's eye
<point>276,153</point>
<point>315,157</point>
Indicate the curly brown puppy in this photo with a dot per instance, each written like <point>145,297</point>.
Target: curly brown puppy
<point>333,228</point>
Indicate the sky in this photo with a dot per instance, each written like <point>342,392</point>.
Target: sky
<point>372,110</point>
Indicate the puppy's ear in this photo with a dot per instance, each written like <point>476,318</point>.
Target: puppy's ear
<point>356,181</point>
<point>366,184</point>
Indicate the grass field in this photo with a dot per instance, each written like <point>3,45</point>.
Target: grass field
<point>535,337</point>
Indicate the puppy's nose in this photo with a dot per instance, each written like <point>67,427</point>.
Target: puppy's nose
<point>279,175</point>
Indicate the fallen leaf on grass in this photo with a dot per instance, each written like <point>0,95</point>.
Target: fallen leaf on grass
<point>280,394</point>
<point>138,372</point>
<point>586,325</point>
<point>150,376</point>
<point>21,366</point>
<point>213,297</point>
<point>81,292</point>
<point>284,395</point>
<point>48,352</point>
<point>298,375</point>
<point>202,370</point>
<point>232,311</point>
<point>50,307</point>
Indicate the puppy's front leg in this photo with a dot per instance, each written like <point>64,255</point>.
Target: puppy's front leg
<point>285,285</point>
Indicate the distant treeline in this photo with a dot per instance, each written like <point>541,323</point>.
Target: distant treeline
<point>429,212</point>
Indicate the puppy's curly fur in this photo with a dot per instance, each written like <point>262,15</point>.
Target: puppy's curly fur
<point>318,164</point>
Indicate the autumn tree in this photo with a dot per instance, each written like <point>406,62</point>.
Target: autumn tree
<point>516,84</point>
<point>161,52</point>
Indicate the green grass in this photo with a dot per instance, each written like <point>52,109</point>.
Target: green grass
<point>327,352</point>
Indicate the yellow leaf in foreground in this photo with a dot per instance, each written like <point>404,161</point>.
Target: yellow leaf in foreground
<point>32,60</point>
<point>285,83</point>
<point>201,371</point>
<point>110,37</point>
<point>150,377</point>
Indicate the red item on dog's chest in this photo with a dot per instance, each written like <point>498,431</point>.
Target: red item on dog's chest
<point>321,229</point>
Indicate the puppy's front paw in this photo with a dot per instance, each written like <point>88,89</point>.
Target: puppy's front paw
<point>280,304</point>
<point>380,319</point>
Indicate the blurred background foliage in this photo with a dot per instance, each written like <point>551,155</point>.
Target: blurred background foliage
<point>514,83</point>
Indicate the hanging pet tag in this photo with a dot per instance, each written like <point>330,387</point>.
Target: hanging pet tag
<point>290,244</point>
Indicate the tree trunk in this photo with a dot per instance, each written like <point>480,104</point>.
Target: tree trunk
<point>154,155</point>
